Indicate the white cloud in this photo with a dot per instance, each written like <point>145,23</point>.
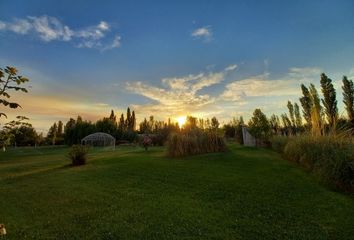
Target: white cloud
<point>115,43</point>
<point>21,26</point>
<point>49,28</point>
<point>179,95</point>
<point>261,85</point>
<point>231,67</point>
<point>205,33</point>
<point>2,25</point>
<point>305,72</point>
<point>103,26</point>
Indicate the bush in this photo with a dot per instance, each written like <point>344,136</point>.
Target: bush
<point>78,155</point>
<point>194,142</point>
<point>279,143</point>
<point>146,142</point>
<point>330,157</point>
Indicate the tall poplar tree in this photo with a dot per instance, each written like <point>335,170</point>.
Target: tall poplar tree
<point>316,111</point>
<point>133,122</point>
<point>121,125</point>
<point>329,100</point>
<point>298,119</point>
<point>348,97</point>
<point>291,113</point>
<point>128,119</point>
<point>306,104</point>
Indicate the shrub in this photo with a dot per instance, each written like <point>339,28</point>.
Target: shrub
<point>78,155</point>
<point>329,157</point>
<point>194,142</point>
<point>146,142</point>
<point>279,143</point>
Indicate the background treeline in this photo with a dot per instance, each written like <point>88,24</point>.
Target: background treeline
<point>314,114</point>
<point>315,136</point>
<point>123,129</point>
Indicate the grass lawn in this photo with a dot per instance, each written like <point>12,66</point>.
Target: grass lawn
<point>245,193</point>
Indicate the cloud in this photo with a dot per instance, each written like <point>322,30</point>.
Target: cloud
<point>2,25</point>
<point>263,86</point>
<point>20,26</point>
<point>103,26</point>
<point>204,33</point>
<point>305,72</point>
<point>231,67</point>
<point>178,95</point>
<point>115,44</point>
<point>49,29</point>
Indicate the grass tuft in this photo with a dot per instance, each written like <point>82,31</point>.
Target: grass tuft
<point>78,155</point>
<point>195,142</point>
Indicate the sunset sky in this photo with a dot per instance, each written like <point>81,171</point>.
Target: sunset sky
<point>170,59</point>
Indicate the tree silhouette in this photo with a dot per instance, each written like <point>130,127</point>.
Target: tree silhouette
<point>9,80</point>
<point>306,104</point>
<point>348,97</point>
<point>329,101</point>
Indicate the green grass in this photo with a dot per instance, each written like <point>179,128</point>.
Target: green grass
<point>245,193</point>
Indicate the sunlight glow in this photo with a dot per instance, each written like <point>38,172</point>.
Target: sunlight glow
<point>181,121</point>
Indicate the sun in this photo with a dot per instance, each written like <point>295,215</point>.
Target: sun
<point>181,121</point>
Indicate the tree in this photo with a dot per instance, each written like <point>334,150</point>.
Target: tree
<point>214,123</point>
<point>60,128</point>
<point>329,101</point>
<point>128,119</point>
<point>151,123</point>
<point>52,134</point>
<point>306,104</point>
<point>106,125</point>
<point>316,112</point>
<point>121,124</point>
<point>259,126</point>
<point>191,123</point>
<point>69,131</point>
<point>25,136</point>
<point>112,116</point>
<point>74,131</point>
<point>234,129</point>
<point>287,126</point>
<point>274,123</point>
<point>348,97</point>
<point>298,119</point>
<point>7,135</point>
<point>291,113</point>
<point>133,122</point>
<point>144,127</point>
<point>9,80</point>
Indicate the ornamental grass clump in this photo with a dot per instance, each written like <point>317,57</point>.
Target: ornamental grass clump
<point>78,155</point>
<point>329,157</point>
<point>279,143</point>
<point>194,142</point>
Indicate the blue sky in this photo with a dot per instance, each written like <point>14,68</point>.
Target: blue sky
<point>172,58</point>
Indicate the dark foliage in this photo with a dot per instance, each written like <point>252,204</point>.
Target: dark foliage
<point>78,155</point>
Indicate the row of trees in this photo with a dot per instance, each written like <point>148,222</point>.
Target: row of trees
<point>320,115</point>
<point>75,130</point>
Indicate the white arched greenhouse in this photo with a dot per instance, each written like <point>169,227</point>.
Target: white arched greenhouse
<point>99,139</point>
